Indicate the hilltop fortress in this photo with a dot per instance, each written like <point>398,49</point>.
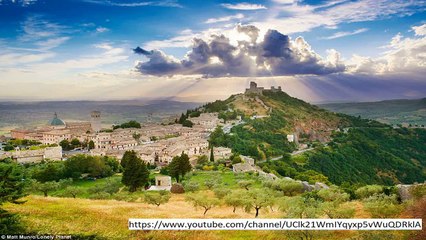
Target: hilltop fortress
<point>254,89</point>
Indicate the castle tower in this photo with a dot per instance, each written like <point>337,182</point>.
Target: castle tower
<point>95,121</point>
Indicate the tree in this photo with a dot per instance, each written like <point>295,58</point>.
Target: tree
<point>126,156</point>
<point>179,166</point>
<point>11,190</point>
<point>236,158</point>
<point>75,143</point>
<point>203,200</point>
<point>95,166</point>
<point>182,118</point>
<point>332,206</point>
<point>51,171</point>
<point>202,159</point>
<point>135,174</point>
<point>258,199</point>
<point>12,186</point>
<point>8,148</point>
<point>137,136</point>
<point>287,187</point>
<point>305,206</point>
<point>157,198</point>
<point>211,154</point>
<point>246,184</point>
<point>91,145</point>
<point>130,124</point>
<point>46,187</point>
<point>65,144</point>
<point>187,123</point>
<point>72,191</point>
<point>235,199</point>
<point>221,192</point>
<point>191,186</point>
<point>210,183</point>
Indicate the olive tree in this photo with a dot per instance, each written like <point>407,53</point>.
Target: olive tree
<point>257,199</point>
<point>202,200</point>
<point>157,198</point>
<point>235,199</point>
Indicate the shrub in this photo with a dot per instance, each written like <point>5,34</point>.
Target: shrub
<point>191,186</point>
<point>177,188</point>
<point>368,191</point>
<point>382,206</point>
<point>418,191</point>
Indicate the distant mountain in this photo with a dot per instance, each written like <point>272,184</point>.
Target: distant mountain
<point>27,114</point>
<point>390,111</point>
<point>352,149</point>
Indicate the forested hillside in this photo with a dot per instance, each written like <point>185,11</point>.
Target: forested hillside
<point>344,148</point>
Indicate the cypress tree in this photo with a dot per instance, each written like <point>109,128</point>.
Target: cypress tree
<point>135,173</point>
<point>211,154</point>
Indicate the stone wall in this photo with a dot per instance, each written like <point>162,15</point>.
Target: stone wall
<point>33,156</point>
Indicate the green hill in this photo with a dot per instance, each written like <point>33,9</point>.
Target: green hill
<point>390,111</point>
<point>344,148</point>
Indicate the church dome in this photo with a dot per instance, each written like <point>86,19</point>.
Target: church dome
<point>56,121</point>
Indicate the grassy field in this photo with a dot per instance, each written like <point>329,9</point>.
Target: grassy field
<point>227,179</point>
<point>108,219</point>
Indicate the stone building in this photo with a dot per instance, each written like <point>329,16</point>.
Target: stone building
<point>95,121</point>
<point>254,89</point>
<point>161,183</point>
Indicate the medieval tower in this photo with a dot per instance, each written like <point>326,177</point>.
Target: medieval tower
<point>95,121</point>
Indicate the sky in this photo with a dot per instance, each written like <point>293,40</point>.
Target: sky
<point>192,50</point>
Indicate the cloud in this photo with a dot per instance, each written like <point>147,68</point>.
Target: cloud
<point>23,3</point>
<point>101,29</point>
<point>345,34</point>
<point>183,39</point>
<point>41,34</point>
<point>132,3</point>
<point>51,43</point>
<point>275,55</point>
<point>12,59</point>
<point>139,50</point>
<point>420,30</point>
<point>243,6</point>
<point>224,19</point>
<point>403,55</point>
<point>249,30</point>
<point>301,17</point>
<point>35,28</point>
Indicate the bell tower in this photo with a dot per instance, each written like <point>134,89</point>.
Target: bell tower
<point>95,121</point>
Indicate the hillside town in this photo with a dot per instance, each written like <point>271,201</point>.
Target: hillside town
<point>155,143</point>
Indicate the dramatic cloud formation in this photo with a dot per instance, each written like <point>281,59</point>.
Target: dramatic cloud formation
<point>275,55</point>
